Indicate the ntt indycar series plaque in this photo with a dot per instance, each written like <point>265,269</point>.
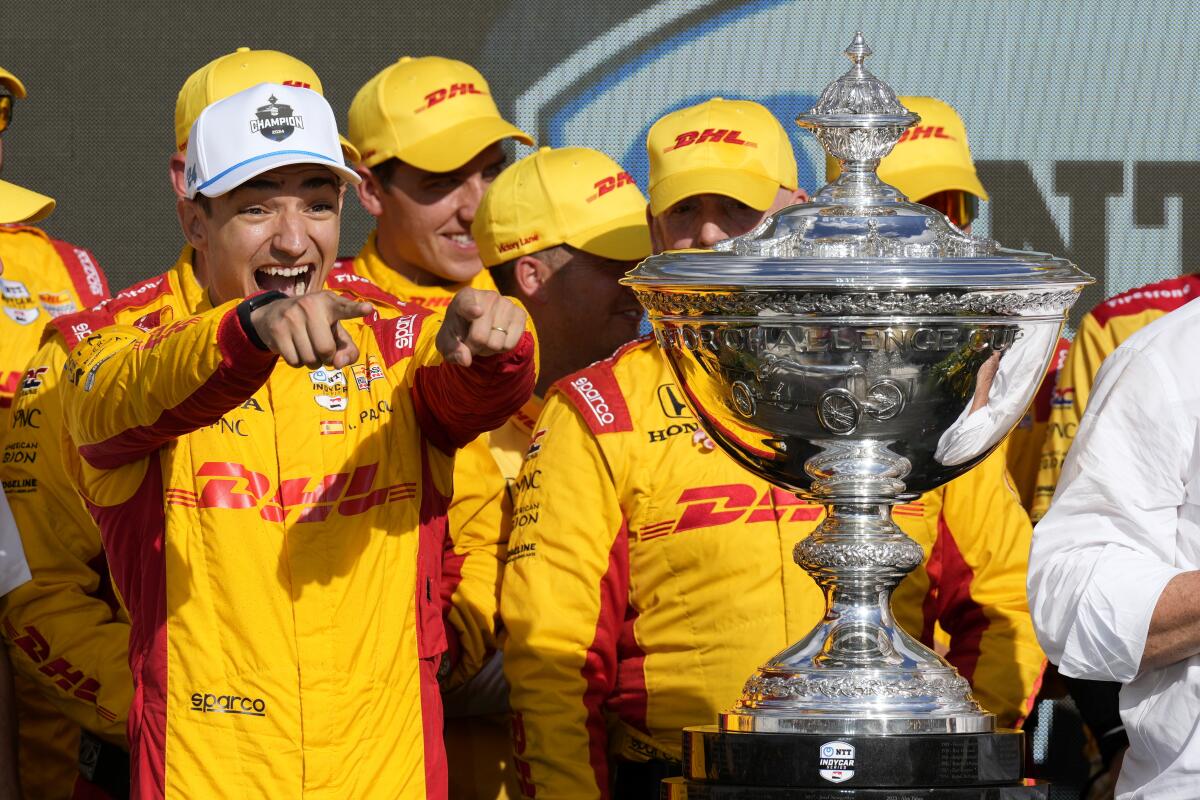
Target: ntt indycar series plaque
<point>858,350</point>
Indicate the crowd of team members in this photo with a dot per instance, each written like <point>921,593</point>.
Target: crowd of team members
<point>358,549</point>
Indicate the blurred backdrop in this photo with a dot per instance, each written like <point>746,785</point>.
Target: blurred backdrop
<point>1081,117</point>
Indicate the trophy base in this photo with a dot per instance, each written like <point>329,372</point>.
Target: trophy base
<point>770,765</point>
<point>681,789</point>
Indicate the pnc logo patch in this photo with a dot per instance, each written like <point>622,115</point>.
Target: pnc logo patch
<point>713,135</point>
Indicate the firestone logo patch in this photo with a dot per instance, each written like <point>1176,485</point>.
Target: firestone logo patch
<point>836,762</point>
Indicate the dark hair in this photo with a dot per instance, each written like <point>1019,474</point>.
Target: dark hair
<point>384,170</point>
<point>205,203</point>
<point>504,274</point>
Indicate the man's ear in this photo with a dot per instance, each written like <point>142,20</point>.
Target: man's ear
<point>370,192</point>
<point>194,223</point>
<point>656,239</point>
<point>530,276</point>
<point>177,166</point>
<point>799,196</point>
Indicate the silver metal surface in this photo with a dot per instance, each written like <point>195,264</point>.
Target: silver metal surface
<point>859,350</point>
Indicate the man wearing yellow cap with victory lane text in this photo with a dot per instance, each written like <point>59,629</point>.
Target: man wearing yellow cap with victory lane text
<point>45,277</point>
<point>557,229</point>
<point>64,630</point>
<point>644,531</point>
<point>324,515</point>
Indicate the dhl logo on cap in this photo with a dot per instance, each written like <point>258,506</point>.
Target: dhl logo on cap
<point>714,135</point>
<point>448,93</point>
<point>606,185</point>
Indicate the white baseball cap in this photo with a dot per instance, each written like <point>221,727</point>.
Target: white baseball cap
<point>257,130</point>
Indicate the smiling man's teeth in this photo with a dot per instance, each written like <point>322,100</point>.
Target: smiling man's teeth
<point>301,285</point>
<point>461,238</point>
<point>285,272</point>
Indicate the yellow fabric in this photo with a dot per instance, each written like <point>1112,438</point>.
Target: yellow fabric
<point>694,556</point>
<point>1023,447</point>
<point>12,83</point>
<point>233,72</point>
<point>572,195</point>
<point>729,147</point>
<point>329,616</point>
<point>48,748</point>
<point>431,112</point>
<point>370,265</point>
<point>932,156</point>
<point>18,204</point>
<point>1100,332</point>
<point>477,748</point>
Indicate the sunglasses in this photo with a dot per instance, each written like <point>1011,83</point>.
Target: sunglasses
<point>961,207</point>
<point>6,105</point>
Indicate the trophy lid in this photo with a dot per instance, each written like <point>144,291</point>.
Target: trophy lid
<point>858,233</point>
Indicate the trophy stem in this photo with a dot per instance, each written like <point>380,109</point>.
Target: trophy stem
<point>858,671</point>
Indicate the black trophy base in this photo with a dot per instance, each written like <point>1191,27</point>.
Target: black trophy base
<point>681,789</point>
<point>798,766</point>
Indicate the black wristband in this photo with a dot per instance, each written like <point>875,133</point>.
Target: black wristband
<point>247,307</point>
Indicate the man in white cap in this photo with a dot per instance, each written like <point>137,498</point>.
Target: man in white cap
<point>66,633</point>
<point>276,532</point>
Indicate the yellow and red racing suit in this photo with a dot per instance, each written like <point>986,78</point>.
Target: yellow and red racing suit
<point>43,278</point>
<point>1023,447</point>
<point>277,537</point>
<point>649,575</point>
<point>477,745</point>
<point>1100,332</point>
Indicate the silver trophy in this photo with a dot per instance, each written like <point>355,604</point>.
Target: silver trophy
<point>858,350</point>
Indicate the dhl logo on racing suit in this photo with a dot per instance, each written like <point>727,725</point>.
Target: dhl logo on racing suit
<point>224,484</point>
<point>726,504</point>
<point>33,643</point>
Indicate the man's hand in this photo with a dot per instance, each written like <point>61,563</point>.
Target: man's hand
<point>479,323</point>
<point>307,330</point>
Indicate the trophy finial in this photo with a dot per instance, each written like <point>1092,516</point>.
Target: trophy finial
<point>858,49</point>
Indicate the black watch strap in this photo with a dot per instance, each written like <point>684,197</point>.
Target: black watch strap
<point>247,307</point>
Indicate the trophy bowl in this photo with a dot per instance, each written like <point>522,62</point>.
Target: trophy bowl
<point>858,350</point>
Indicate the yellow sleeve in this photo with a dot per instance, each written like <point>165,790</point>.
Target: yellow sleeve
<point>478,541</point>
<point>126,392</point>
<point>62,632</point>
<point>1091,346</point>
<point>977,575</point>
<point>563,601</point>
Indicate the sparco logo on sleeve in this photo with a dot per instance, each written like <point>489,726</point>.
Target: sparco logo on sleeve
<point>594,399</point>
<point>207,703</point>
<point>836,763</point>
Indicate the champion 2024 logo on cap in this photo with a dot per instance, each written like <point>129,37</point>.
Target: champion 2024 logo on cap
<point>276,121</point>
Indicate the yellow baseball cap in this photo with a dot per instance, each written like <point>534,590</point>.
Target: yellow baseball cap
<point>12,83</point>
<point>572,195</point>
<point>18,204</point>
<point>931,157</point>
<point>730,147</point>
<point>233,72</point>
<point>431,112</point>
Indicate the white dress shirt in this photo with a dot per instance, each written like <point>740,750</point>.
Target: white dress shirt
<point>14,570</point>
<point>1124,521</point>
